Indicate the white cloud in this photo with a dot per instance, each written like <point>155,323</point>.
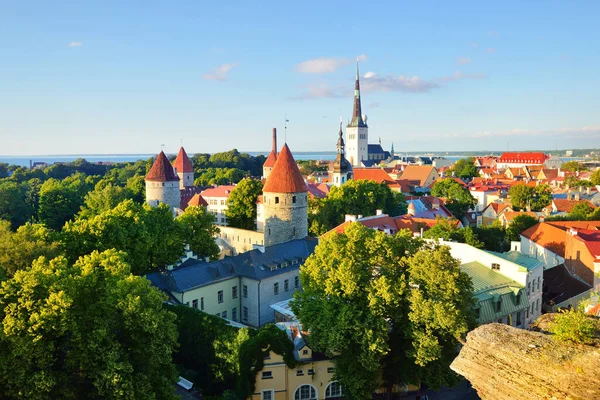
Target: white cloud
<point>362,57</point>
<point>463,60</point>
<point>321,91</point>
<point>321,65</point>
<point>370,74</point>
<point>74,44</point>
<point>401,83</point>
<point>490,50</point>
<point>220,73</point>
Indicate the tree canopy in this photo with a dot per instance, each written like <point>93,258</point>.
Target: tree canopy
<point>465,168</point>
<point>88,330</point>
<point>519,224</point>
<point>197,230</point>
<point>13,206</point>
<point>573,166</point>
<point>535,197</point>
<point>384,306</point>
<point>458,199</point>
<point>241,204</point>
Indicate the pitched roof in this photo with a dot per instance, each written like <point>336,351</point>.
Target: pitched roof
<point>162,170</point>
<point>591,239</point>
<point>316,190</point>
<point>182,162</point>
<point>564,205</point>
<point>271,159</point>
<point>218,191</point>
<point>197,200</point>
<point>560,285</point>
<point>372,174</point>
<point>499,207</point>
<point>523,158</point>
<point>417,172</point>
<point>552,235</point>
<point>510,215</point>
<point>285,176</point>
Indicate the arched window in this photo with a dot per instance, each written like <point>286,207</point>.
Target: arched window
<point>306,392</point>
<point>333,391</point>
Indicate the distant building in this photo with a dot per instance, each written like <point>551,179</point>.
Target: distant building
<point>518,160</point>
<point>162,184</point>
<point>341,169</point>
<point>216,198</point>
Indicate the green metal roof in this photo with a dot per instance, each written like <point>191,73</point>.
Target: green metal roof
<point>489,287</point>
<point>529,263</point>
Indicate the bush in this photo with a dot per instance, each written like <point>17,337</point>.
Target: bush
<point>574,326</point>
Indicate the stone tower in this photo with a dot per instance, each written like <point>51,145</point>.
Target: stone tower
<point>270,161</point>
<point>341,170</point>
<point>357,131</point>
<point>184,169</point>
<point>162,184</point>
<point>285,201</point>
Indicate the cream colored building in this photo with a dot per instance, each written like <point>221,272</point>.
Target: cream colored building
<point>217,202</point>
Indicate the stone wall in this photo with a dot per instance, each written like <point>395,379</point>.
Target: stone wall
<point>241,240</point>
<point>186,179</point>
<point>286,217</point>
<point>163,192</point>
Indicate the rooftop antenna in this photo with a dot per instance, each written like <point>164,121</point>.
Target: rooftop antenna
<point>285,129</point>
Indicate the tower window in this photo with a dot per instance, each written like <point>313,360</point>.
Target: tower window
<point>276,200</point>
<point>294,199</point>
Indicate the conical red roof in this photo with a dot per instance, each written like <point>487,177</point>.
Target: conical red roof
<point>270,161</point>
<point>162,170</point>
<point>182,162</point>
<point>285,176</point>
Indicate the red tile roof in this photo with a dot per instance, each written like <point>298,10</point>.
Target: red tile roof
<point>372,174</point>
<point>285,176</point>
<point>315,190</point>
<point>182,162</point>
<point>564,205</point>
<point>523,158</point>
<point>591,238</point>
<point>551,235</point>
<point>417,173</point>
<point>197,200</point>
<point>271,159</point>
<point>499,207</point>
<point>162,170</point>
<point>219,191</point>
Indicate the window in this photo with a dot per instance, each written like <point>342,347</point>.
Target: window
<point>519,318</point>
<point>245,291</point>
<point>224,314</point>
<point>276,200</point>
<point>477,312</point>
<point>234,292</point>
<point>286,285</point>
<point>311,371</point>
<point>518,298</point>
<point>538,285</point>
<point>234,314</point>
<point>220,296</point>
<point>537,305</point>
<point>202,303</point>
<point>499,305</point>
<point>195,303</point>
<point>305,352</point>
<point>267,375</point>
<point>527,313</point>
<point>267,395</point>
<point>305,392</point>
<point>333,391</point>
<point>222,202</point>
<point>245,313</point>
<point>276,288</point>
<point>294,199</point>
<point>496,267</point>
<point>222,220</point>
<point>296,282</point>
<point>528,288</point>
<point>299,372</point>
<point>330,370</point>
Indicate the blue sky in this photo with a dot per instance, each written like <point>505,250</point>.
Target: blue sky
<point>127,76</point>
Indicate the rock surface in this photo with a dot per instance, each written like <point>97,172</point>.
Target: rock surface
<point>503,362</point>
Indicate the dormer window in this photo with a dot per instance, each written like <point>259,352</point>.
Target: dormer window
<point>495,267</point>
<point>498,305</point>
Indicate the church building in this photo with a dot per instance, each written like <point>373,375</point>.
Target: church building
<point>340,170</point>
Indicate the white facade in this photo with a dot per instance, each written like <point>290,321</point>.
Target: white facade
<point>357,144</point>
<point>540,253</point>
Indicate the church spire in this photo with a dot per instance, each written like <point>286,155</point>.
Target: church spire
<point>357,119</point>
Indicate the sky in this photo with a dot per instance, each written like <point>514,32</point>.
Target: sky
<point>106,77</point>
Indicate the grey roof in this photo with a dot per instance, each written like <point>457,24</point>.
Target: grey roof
<point>253,264</point>
<point>375,149</point>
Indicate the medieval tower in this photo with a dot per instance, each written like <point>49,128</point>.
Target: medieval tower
<point>270,161</point>
<point>285,201</point>
<point>184,169</point>
<point>357,131</point>
<point>162,184</point>
<point>341,170</point>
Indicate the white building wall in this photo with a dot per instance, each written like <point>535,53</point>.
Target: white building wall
<point>357,144</point>
<point>218,207</point>
<point>540,253</point>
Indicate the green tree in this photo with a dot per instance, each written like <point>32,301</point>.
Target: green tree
<point>90,330</point>
<point>197,230</point>
<point>573,166</point>
<point>104,197</point>
<point>3,170</point>
<point>535,197</point>
<point>465,168</point>
<point>575,326</point>
<point>384,308</point>
<point>595,178</point>
<point>61,200</point>
<point>458,199</point>
<point>13,207</point>
<point>581,211</point>
<point>241,204</point>
<point>493,237</point>
<point>519,224</point>
<point>444,228</point>
<point>19,249</point>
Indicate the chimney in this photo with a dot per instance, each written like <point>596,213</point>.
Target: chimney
<point>411,208</point>
<point>542,218</point>
<point>580,189</point>
<point>576,198</point>
<point>350,218</point>
<point>435,203</point>
<point>569,195</point>
<point>275,140</point>
<point>378,212</point>
<point>588,190</point>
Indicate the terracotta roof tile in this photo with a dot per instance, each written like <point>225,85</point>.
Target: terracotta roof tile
<point>182,163</point>
<point>372,174</point>
<point>417,172</point>
<point>271,159</point>
<point>523,158</point>
<point>564,205</point>
<point>197,200</point>
<point>219,191</point>
<point>552,235</point>
<point>285,176</point>
<point>162,170</point>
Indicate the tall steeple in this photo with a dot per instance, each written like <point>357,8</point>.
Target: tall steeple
<point>341,170</point>
<point>357,119</point>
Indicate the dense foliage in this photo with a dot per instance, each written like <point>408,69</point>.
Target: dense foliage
<point>465,168</point>
<point>458,199</point>
<point>575,326</point>
<point>241,204</point>
<point>384,308</point>
<point>534,197</point>
<point>519,224</point>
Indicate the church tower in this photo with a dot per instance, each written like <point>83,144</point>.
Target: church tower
<point>184,169</point>
<point>285,201</point>
<point>357,131</point>
<point>270,161</point>
<point>341,170</point>
<point>162,184</point>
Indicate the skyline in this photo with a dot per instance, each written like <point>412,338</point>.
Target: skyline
<point>110,78</point>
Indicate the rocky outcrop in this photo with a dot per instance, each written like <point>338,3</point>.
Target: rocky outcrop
<point>503,362</point>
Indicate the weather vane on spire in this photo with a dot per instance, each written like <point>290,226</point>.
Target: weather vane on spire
<point>285,128</point>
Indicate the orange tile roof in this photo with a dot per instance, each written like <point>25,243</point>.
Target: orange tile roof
<point>285,176</point>
<point>162,170</point>
<point>197,200</point>
<point>271,159</point>
<point>417,172</point>
<point>551,235</point>
<point>523,158</point>
<point>564,205</point>
<point>182,163</point>
<point>372,174</point>
<point>218,191</point>
<point>510,215</point>
<point>499,207</point>
<point>591,239</point>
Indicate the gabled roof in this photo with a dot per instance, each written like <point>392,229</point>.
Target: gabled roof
<point>552,235</point>
<point>271,159</point>
<point>317,190</point>
<point>418,172</point>
<point>498,207</point>
<point>372,174</point>
<point>285,176</point>
<point>197,200</point>
<point>182,163</point>
<point>218,191</point>
<point>564,205</point>
<point>162,170</point>
<point>510,215</point>
<point>523,158</point>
